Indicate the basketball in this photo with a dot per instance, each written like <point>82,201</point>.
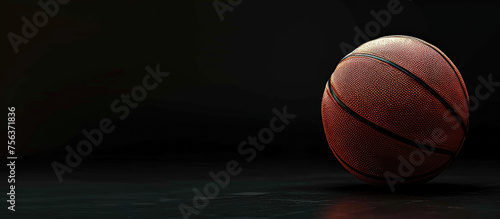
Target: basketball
<point>395,110</point>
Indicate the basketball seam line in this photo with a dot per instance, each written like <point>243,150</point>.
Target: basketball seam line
<point>418,80</point>
<point>378,177</point>
<point>381,129</point>
<point>462,86</point>
<point>455,70</point>
<point>382,178</point>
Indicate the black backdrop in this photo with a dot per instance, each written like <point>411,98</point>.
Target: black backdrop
<point>225,76</point>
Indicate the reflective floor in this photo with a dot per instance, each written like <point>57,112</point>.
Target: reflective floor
<point>468,189</point>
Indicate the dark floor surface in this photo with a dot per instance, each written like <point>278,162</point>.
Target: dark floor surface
<point>468,189</point>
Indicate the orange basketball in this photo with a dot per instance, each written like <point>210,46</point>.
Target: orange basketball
<point>395,110</point>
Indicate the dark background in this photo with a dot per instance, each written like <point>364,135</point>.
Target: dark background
<point>226,77</point>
